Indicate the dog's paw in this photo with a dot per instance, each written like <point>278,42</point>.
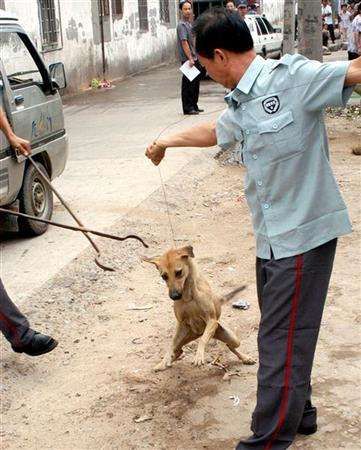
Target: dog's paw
<point>161,366</point>
<point>164,364</point>
<point>199,359</point>
<point>248,361</point>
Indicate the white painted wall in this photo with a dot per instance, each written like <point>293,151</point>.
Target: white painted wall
<point>127,49</point>
<point>273,10</point>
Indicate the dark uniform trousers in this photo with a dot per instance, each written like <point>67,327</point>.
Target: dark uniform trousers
<point>190,91</point>
<point>331,29</point>
<point>291,293</point>
<point>13,324</point>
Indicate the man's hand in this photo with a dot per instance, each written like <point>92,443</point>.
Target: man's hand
<point>191,62</point>
<point>155,152</point>
<point>20,145</point>
<point>202,135</point>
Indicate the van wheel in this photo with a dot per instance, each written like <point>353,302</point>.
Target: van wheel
<point>36,199</point>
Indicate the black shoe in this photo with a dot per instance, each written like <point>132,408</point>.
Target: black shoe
<point>199,110</point>
<point>39,345</point>
<point>192,112</point>
<point>308,423</point>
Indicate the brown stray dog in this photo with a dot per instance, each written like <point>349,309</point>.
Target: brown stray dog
<point>196,307</point>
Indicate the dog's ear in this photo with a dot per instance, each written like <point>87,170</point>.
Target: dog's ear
<point>186,251</point>
<point>152,260</point>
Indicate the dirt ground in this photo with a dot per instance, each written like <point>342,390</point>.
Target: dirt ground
<point>97,390</point>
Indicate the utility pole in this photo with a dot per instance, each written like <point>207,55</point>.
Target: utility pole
<point>289,27</point>
<point>101,24</point>
<point>310,29</point>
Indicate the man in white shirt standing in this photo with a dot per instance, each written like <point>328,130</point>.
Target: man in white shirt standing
<point>326,11</point>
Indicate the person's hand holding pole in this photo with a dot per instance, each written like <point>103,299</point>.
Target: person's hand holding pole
<point>17,143</point>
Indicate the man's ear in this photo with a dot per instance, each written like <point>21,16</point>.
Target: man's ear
<point>187,251</point>
<point>220,55</point>
<point>152,260</point>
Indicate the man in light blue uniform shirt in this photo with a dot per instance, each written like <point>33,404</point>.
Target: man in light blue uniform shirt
<point>275,119</point>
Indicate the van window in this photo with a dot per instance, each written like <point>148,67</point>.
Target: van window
<point>268,25</point>
<point>20,66</point>
<point>261,25</point>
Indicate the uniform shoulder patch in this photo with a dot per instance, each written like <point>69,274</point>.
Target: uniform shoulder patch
<point>271,104</point>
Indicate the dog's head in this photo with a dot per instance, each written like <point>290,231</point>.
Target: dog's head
<point>173,267</point>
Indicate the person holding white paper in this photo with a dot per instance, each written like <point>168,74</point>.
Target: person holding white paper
<point>187,53</point>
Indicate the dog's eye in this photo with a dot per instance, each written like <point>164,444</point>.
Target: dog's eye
<point>178,273</point>
<point>165,276</point>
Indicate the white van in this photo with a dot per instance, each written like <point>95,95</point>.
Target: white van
<point>267,39</point>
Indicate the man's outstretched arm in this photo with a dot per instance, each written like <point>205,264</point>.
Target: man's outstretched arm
<point>353,75</point>
<point>203,135</point>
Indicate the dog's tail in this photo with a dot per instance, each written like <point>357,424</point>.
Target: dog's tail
<point>230,295</point>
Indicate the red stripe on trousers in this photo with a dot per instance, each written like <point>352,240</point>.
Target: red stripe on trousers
<point>10,325</point>
<point>288,366</point>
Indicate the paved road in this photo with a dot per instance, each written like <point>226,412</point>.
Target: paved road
<point>107,173</point>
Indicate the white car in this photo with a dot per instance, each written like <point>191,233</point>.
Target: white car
<point>267,39</point>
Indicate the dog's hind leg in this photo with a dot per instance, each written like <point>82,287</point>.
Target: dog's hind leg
<point>177,351</point>
<point>232,342</point>
<point>182,337</point>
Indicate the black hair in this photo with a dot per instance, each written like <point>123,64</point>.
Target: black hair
<point>231,1</point>
<point>218,29</point>
<point>182,2</point>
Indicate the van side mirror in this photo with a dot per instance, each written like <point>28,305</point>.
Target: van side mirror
<point>57,75</point>
<point>277,29</point>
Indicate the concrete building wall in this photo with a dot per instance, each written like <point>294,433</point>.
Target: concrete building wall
<point>127,49</point>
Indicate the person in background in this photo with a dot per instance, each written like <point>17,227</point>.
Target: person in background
<point>351,8</point>
<point>253,9</point>
<point>325,35</point>
<point>242,8</point>
<point>13,324</point>
<point>344,21</point>
<point>186,50</point>
<point>327,17</point>
<point>354,36</point>
<point>231,7</point>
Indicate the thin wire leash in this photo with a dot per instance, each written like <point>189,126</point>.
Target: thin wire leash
<point>167,206</point>
<point>161,176</point>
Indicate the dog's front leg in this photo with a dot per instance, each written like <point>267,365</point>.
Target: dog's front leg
<point>181,335</point>
<point>209,331</point>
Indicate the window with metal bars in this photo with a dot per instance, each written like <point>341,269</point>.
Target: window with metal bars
<point>49,25</point>
<point>143,15</point>
<point>164,11</point>
<point>117,8</point>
